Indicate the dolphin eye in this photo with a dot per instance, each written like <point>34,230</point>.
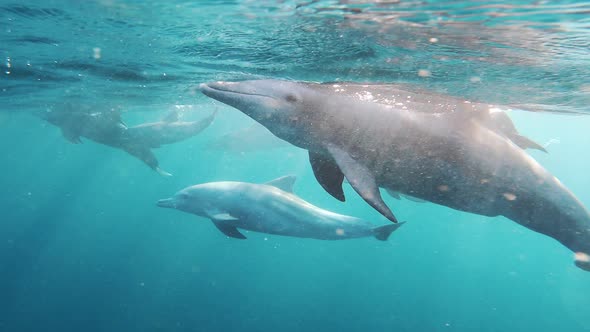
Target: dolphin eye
<point>291,98</point>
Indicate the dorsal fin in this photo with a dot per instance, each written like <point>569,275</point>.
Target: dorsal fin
<point>115,116</point>
<point>171,117</point>
<point>119,120</point>
<point>284,183</point>
<point>501,123</point>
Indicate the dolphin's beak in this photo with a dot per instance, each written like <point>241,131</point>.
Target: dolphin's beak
<point>217,90</point>
<point>237,93</point>
<point>166,203</point>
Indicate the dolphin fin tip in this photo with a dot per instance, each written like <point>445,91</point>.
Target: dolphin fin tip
<point>162,172</point>
<point>382,233</point>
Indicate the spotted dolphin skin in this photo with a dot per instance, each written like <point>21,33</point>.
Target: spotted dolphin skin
<point>425,145</point>
<point>107,128</point>
<point>270,208</point>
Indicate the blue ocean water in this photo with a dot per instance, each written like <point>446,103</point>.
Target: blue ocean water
<point>83,247</point>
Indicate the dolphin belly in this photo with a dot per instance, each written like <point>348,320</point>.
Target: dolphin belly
<point>299,223</point>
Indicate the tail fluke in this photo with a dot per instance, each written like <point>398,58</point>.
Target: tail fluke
<point>382,233</point>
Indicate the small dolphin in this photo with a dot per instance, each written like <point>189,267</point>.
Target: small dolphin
<point>416,144</point>
<point>167,131</point>
<point>107,128</point>
<point>269,208</point>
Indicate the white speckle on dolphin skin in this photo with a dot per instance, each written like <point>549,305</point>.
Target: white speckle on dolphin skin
<point>339,231</point>
<point>367,96</point>
<point>424,73</point>
<point>484,181</point>
<point>443,188</point>
<point>96,53</point>
<point>509,196</point>
<point>335,86</point>
<point>582,257</point>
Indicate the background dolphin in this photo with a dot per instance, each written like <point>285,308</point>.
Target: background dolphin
<point>269,208</point>
<point>107,128</point>
<point>458,156</point>
<point>102,127</point>
<point>167,131</point>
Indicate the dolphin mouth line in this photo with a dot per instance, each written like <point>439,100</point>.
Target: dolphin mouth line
<point>207,87</point>
<point>166,203</point>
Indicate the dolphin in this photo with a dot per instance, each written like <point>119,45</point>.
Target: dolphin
<point>107,128</point>
<point>139,140</point>
<point>102,127</point>
<point>167,131</point>
<point>270,208</point>
<point>449,153</point>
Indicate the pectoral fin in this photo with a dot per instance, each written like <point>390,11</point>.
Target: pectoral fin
<point>146,155</point>
<point>361,179</point>
<point>228,230</point>
<point>328,174</point>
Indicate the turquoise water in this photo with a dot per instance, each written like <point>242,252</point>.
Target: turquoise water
<point>83,247</point>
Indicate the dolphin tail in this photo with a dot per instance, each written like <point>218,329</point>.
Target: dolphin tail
<point>209,119</point>
<point>199,126</point>
<point>382,233</point>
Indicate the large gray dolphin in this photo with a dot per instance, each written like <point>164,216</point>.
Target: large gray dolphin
<point>269,208</point>
<point>107,128</point>
<point>422,144</point>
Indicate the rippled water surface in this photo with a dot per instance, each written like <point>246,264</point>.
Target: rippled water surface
<point>532,52</point>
